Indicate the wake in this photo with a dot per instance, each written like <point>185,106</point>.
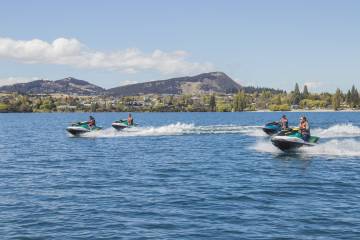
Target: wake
<point>338,131</point>
<point>335,147</point>
<point>337,140</point>
<point>177,129</point>
<point>335,131</point>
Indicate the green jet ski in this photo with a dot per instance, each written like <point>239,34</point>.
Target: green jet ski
<point>272,128</point>
<point>122,124</point>
<point>79,128</point>
<point>292,139</point>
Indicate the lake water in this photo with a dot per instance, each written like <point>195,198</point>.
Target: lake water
<point>177,176</point>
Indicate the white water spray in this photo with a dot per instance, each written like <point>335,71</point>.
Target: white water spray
<point>337,140</point>
<point>177,129</point>
<point>338,131</point>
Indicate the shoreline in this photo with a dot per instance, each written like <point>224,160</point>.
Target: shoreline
<point>259,111</point>
<point>316,110</point>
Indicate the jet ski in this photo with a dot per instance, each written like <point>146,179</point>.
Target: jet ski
<point>272,128</point>
<point>122,124</point>
<point>291,139</point>
<point>79,128</point>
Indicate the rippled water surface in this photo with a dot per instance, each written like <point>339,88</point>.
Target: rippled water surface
<point>177,176</point>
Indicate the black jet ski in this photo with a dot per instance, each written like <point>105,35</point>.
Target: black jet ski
<point>79,128</point>
<point>291,139</point>
<point>272,128</point>
<point>122,124</point>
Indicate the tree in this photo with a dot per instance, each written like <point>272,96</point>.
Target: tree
<point>212,103</point>
<point>297,89</point>
<point>355,100</point>
<point>337,99</point>
<point>120,107</point>
<point>240,101</point>
<point>94,106</point>
<point>278,99</point>
<point>52,105</point>
<point>348,98</point>
<point>305,92</point>
<point>3,107</point>
<point>296,98</point>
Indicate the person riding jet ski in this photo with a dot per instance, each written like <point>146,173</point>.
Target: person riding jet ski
<point>79,128</point>
<point>295,138</point>
<point>124,123</point>
<point>92,122</point>
<point>284,122</point>
<point>130,120</point>
<point>304,128</point>
<point>275,127</point>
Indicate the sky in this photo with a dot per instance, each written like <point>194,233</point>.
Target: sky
<point>111,43</point>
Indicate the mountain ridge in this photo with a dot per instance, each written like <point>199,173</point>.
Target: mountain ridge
<point>216,82</point>
<point>67,85</point>
<point>205,83</point>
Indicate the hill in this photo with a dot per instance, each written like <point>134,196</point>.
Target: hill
<point>70,86</point>
<point>216,82</point>
<point>213,82</point>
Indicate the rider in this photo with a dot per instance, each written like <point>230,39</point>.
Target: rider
<point>130,120</point>
<point>91,123</point>
<point>284,122</point>
<point>304,128</point>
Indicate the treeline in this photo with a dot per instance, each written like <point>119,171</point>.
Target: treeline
<point>297,99</point>
<point>241,101</point>
<point>350,99</point>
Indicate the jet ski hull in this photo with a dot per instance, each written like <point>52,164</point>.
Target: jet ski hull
<point>270,131</point>
<point>119,126</point>
<point>288,143</point>
<point>77,130</point>
<point>122,124</point>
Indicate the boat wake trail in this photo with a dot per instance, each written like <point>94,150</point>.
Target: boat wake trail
<point>177,129</point>
<point>336,147</point>
<point>338,131</point>
<point>338,140</point>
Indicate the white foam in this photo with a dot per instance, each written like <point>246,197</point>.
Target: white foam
<point>337,131</point>
<point>332,148</point>
<point>265,146</point>
<point>338,146</point>
<point>177,129</point>
<point>172,129</point>
<point>335,147</point>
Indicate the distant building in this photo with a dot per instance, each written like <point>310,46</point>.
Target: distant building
<point>66,107</point>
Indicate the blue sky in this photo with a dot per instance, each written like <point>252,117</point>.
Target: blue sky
<point>111,43</point>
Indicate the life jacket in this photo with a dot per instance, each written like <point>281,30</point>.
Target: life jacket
<point>304,127</point>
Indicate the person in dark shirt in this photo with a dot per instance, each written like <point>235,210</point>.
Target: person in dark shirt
<point>284,122</point>
<point>91,122</point>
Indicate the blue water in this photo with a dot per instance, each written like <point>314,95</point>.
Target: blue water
<point>177,176</point>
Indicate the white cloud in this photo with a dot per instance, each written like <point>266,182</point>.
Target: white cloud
<point>14,80</point>
<point>70,51</point>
